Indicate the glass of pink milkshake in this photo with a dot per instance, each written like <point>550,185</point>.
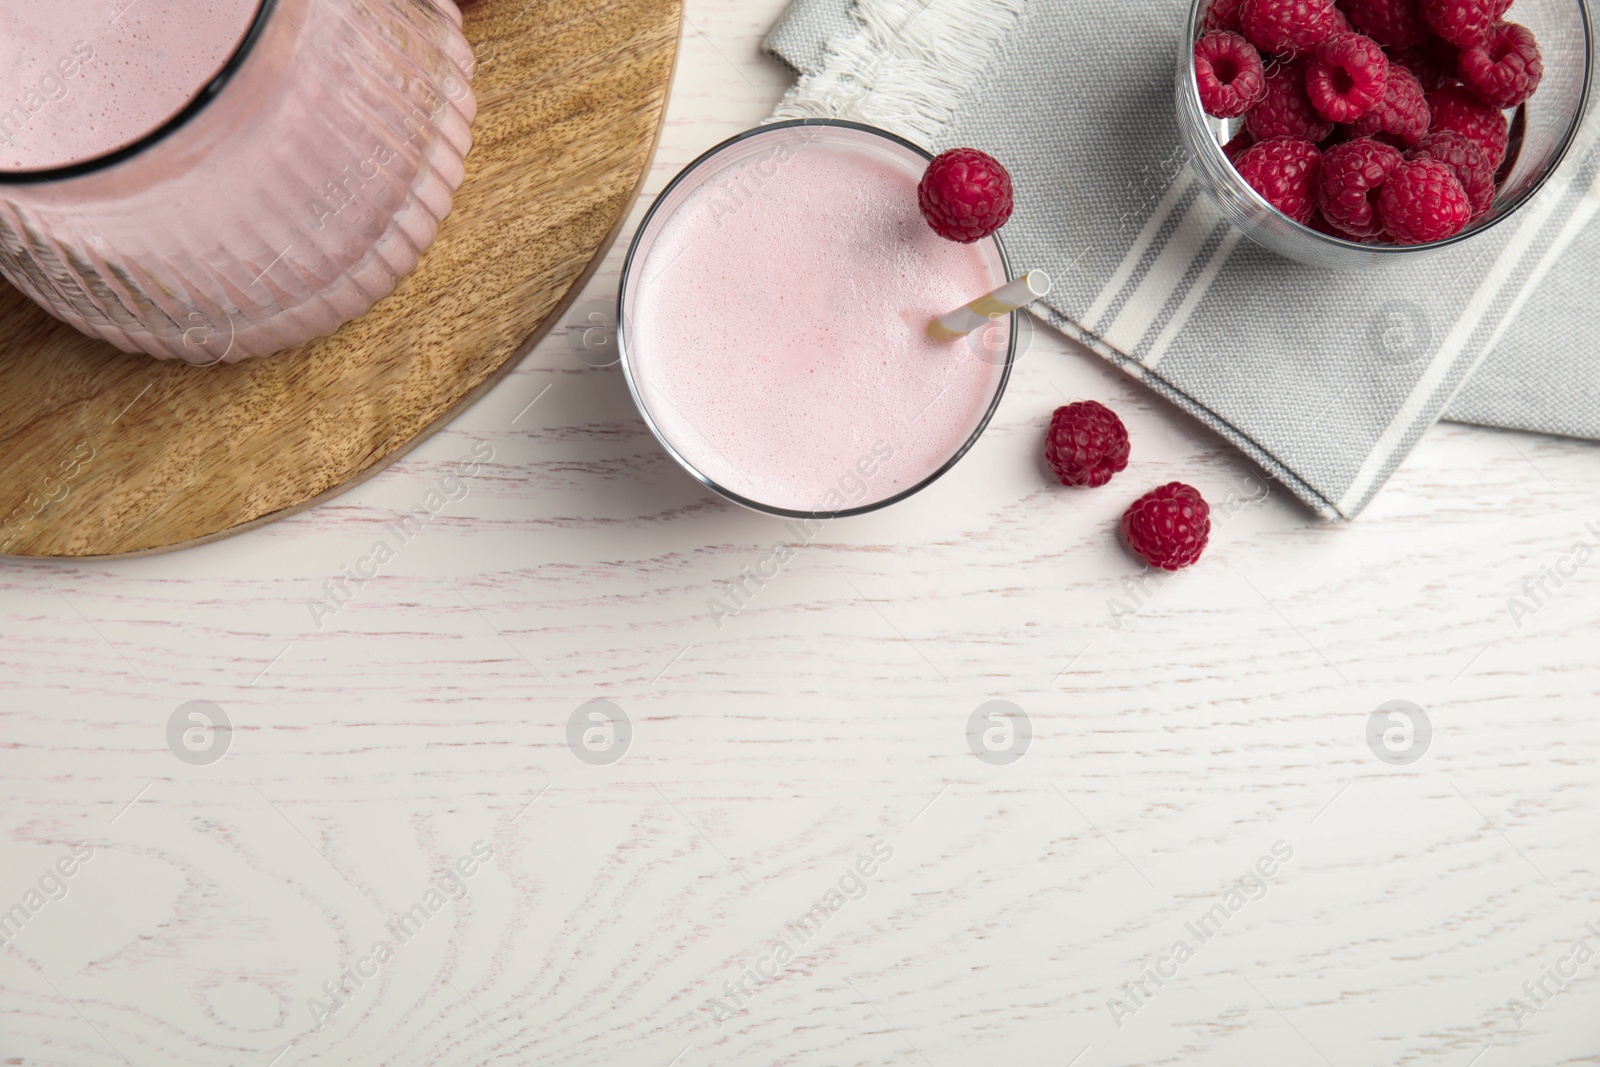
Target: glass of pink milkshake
<point>773,323</point>
<point>207,180</point>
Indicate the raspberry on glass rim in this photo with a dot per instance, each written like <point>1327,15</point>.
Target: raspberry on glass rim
<point>965,195</point>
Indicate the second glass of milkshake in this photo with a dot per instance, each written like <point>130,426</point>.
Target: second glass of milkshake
<point>207,180</point>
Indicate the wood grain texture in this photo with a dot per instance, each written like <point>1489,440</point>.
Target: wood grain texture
<point>107,454</point>
<point>373,747</point>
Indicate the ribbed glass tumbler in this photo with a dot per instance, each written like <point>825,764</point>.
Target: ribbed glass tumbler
<point>289,196</point>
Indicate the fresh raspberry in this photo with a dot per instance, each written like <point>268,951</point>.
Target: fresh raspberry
<point>1463,23</point>
<point>1286,27</point>
<point>1168,527</point>
<point>1392,23</point>
<point>1422,201</point>
<point>1455,108</point>
<point>1222,15</point>
<point>1236,147</point>
<point>1086,444</point>
<point>1340,135</point>
<point>1433,62</point>
<point>1349,181</point>
<point>965,195</point>
<point>1320,223</point>
<point>1401,117</point>
<point>1347,76</point>
<point>1467,160</point>
<point>1227,68</point>
<point>1284,171</point>
<point>1287,111</point>
<point>1506,68</point>
<point>1340,23</point>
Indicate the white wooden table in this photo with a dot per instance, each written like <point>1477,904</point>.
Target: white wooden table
<point>1023,912</point>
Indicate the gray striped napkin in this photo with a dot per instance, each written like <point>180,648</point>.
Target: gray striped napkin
<point>1325,379</point>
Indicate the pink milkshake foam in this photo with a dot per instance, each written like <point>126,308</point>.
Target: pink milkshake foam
<point>778,339</point>
<point>80,80</point>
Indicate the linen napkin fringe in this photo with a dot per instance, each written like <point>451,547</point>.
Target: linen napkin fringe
<point>907,66</point>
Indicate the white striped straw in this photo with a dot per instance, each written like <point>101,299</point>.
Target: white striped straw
<point>1003,301</point>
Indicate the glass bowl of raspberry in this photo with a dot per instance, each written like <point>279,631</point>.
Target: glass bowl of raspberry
<point>1352,133</point>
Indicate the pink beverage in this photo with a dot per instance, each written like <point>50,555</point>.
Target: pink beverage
<point>774,323</point>
<point>90,81</point>
<point>213,179</point>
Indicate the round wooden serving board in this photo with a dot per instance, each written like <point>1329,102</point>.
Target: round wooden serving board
<point>108,454</point>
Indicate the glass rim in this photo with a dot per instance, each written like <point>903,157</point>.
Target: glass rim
<point>196,104</point>
<point>628,265</point>
<point>1213,150</point>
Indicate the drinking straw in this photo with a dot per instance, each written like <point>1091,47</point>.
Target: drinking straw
<point>1003,301</point>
